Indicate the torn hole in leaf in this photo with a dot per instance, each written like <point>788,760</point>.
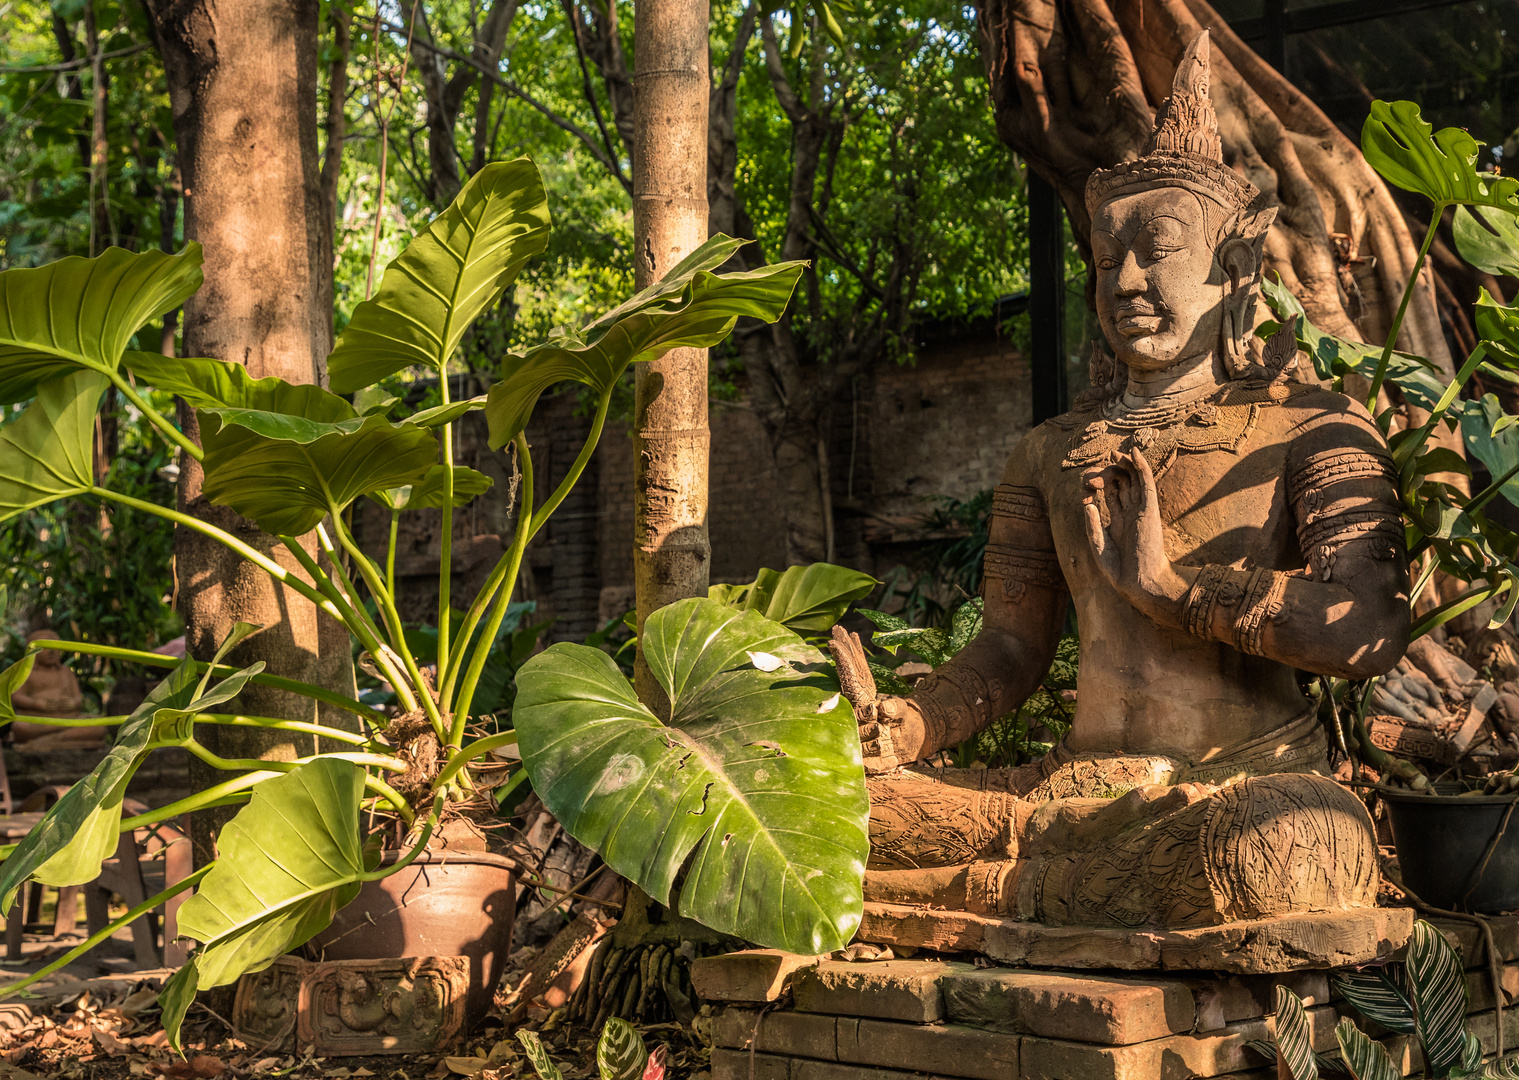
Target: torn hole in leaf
<point>767,744</point>
<point>705,791</point>
<point>829,705</point>
<point>765,661</point>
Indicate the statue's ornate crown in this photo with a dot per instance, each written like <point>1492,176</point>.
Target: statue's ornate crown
<point>1184,150</point>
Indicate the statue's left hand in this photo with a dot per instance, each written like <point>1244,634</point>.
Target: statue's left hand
<point>1127,537</point>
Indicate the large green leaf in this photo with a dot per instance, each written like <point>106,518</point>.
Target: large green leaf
<point>1493,439</point>
<point>1419,380</point>
<point>803,598</point>
<point>1368,1060</point>
<point>213,384</point>
<point>1437,985</point>
<point>1499,328</point>
<point>446,277</point>
<point>1490,244</point>
<point>285,864</point>
<point>287,472</point>
<point>754,787</point>
<point>11,680</point>
<point>48,454</point>
<point>1440,165</point>
<point>1379,994</point>
<point>689,308</point>
<point>468,485</point>
<point>934,645</point>
<point>80,830</point>
<point>83,312</point>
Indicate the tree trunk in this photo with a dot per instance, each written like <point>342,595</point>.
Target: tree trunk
<point>1075,84</point>
<point>671,552</point>
<point>242,80</point>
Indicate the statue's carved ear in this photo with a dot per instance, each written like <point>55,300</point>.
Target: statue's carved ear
<point>1241,262</point>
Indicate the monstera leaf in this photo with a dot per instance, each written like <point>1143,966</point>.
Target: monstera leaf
<point>1421,383</point>
<point>48,453</point>
<point>689,308</point>
<point>1440,165</point>
<point>1499,328</point>
<point>288,472</point>
<point>754,788</point>
<point>78,312</point>
<point>803,598</point>
<point>1488,238</point>
<point>468,484</point>
<point>446,277</point>
<point>80,831</point>
<point>285,864</point>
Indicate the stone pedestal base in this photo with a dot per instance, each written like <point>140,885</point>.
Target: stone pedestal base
<point>343,1008</point>
<point>907,1019</point>
<point>1327,939</point>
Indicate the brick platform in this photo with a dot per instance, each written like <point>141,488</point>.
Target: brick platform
<point>823,1019</point>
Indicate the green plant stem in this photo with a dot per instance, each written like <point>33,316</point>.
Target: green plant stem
<point>253,555</point>
<point>390,551</point>
<point>393,621</point>
<point>381,655</point>
<point>170,433</point>
<point>476,749</point>
<point>1425,577</point>
<point>411,856</point>
<point>541,515</point>
<point>152,659</point>
<point>183,806</point>
<point>1410,451</point>
<point>377,761</point>
<point>106,931</point>
<point>355,618</point>
<point>1397,322</point>
<point>221,719</point>
<point>446,537</point>
<point>1451,608</point>
<point>503,598</point>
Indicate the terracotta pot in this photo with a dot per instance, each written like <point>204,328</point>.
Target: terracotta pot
<point>444,904</point>
<point>1443,848</point>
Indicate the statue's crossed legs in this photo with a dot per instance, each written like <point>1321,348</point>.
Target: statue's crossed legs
<point>1056,844</point>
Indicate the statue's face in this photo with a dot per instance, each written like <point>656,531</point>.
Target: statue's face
<point>1159,288</point>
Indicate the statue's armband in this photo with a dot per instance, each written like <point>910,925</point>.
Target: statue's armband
<point>1020,555</point>
<point>1345,502</point>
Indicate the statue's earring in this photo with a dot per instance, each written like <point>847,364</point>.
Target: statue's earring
<point>1236,354</point>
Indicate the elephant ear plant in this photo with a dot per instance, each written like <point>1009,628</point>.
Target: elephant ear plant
<point>293,459</point>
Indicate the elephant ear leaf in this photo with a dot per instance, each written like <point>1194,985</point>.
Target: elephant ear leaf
<point>82,313</point>
<point>731,793</point>
<point>802,598</point>
<point>47,454</point>
<point>214,384</point>
<point>80,831</point>
<point>428,494</point>
<point>1440,165</point>
<point>446,277</point>
<point>285,864</point>
<point>288,472</point>
<point>689,308</point>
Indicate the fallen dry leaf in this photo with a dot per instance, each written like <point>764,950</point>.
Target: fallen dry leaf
<point>466,1066</point>
<point>110,1043</point>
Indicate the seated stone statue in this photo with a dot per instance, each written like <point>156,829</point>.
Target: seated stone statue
<point>51,690</point>
<point>1218,524</point>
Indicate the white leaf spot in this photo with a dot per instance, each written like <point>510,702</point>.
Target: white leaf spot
<point>829,705</point>
<point>765,661</point>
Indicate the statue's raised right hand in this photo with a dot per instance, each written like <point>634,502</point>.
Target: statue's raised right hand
<point>891,728</point>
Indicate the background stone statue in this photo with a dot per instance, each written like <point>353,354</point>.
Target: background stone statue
<point>1218,525</point>
<point>50,690</point>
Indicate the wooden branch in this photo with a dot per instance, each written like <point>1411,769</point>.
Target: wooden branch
<point>76,64</point>
<point>790,104</point>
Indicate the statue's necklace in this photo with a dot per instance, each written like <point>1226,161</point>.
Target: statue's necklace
<point>1164,430</point>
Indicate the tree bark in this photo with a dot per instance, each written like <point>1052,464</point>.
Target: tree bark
<point>1074,86</point>
<point>242,80</point>
<point>671,440</point>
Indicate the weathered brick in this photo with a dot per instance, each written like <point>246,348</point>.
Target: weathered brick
<point>750,975</point>
<point>1076,1007</point>
<point>1176,1057</point>
<point>802,1034</point>
<point>948,1049</point>
<point>1228,999</point>
<point>890,990</point>
<point>734,1065</point>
